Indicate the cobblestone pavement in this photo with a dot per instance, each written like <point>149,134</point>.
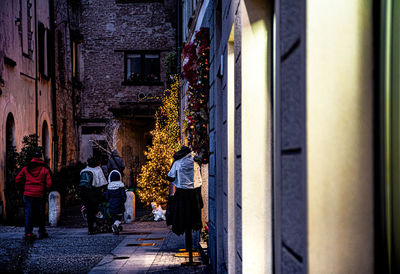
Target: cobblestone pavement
<point>67,250</point>
<point>71,250</point>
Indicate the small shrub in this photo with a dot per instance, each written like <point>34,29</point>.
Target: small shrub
<point>66,183</point>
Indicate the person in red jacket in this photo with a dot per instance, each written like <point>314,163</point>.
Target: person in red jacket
<point>37,179</point>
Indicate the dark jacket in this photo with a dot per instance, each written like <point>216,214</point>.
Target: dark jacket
<point>115,163</point>
<point>115,195</point>
<point>36,177</point>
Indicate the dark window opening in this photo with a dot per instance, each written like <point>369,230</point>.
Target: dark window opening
<point>44,49</point>
<point>25,27</point>
<point>142,68</point>
<point>76,40</point>
<point>75,60</point>
<point>92,130</point>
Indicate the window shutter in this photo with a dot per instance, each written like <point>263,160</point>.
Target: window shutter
<point>24,22</point>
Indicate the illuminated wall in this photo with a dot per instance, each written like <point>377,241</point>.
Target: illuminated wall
<point>339,136</point>
<point>256,137</point>
<point>26,93</point>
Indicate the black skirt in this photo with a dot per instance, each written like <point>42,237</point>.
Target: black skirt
<point>186,210</point>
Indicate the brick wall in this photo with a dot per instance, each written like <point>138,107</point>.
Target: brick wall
<point>66,95</point>
<point>108,29</point>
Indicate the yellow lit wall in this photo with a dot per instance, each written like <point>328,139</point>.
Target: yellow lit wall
<point>256,137</point>
<point>339,136</point>
<point>231,155</point>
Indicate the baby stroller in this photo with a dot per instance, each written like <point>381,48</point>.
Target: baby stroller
<point>103,219</point>
<point>103,222</point>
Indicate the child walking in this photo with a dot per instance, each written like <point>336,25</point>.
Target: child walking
<point>116,197</point>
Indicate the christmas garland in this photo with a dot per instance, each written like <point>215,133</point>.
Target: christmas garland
<point>196,71</point>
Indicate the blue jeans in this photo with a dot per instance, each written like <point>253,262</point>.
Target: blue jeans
<point>34,211</point>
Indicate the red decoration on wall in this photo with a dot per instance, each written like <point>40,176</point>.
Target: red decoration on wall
<point>196,71</point>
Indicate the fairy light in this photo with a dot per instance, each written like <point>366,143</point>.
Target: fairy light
<point>153,186</point>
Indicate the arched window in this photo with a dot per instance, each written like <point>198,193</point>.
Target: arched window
<point>46,141</point>
<point>10,131</point>
<point>10,148</point>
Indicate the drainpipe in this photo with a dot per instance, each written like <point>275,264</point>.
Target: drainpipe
<point>53,86</point>
<point>178,54</point>
<point>36,72</point>
<point>178,34</point>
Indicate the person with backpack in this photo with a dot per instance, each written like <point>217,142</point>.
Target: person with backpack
<point>116,197</point>
<point>115,162</point>
<point>37,179</point>
<point>92,182</point>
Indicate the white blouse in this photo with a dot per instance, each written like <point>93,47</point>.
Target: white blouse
<point>186,173</point>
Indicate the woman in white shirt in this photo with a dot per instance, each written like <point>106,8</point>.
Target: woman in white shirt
<point>185,211</point>
<point>186,178</point>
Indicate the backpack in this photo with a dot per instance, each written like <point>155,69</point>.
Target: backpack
<point>86,179</point>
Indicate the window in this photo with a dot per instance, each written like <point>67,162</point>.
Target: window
<point>76,40</point>
<point>25,28</point>
<point>44,40</point>
<point>75,60</point>
<point>92,130</point>
<point>142,68</point>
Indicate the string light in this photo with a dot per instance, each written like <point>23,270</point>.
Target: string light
<point>152,183</point>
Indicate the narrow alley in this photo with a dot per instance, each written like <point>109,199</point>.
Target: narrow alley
<point>266,132</point>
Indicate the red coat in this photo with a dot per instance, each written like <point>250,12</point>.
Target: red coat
<point>36,178</point>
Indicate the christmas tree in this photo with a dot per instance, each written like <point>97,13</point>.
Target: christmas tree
<point>152,182</point>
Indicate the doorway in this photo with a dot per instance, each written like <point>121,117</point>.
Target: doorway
<point>10,190</point>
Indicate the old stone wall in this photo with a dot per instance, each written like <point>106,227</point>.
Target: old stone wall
<point>67,96</point>
<point>109,29</point>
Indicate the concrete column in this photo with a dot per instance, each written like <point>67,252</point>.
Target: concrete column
<point>129,215</point>
<point>256,137</point>
<point>54,208</point>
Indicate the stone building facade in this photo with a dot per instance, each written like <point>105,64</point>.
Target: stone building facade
<point>66,16</point>
<point>25,80</point>
<point>69,67</point>
<point>121,72</point>
<point>292,171</point>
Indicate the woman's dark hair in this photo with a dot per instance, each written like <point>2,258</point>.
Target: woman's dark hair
<point>181,153</point>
